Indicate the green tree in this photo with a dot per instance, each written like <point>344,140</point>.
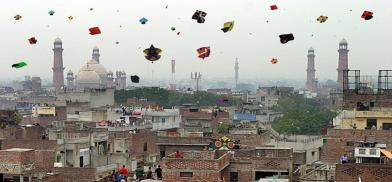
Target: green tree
<point>302,116</point>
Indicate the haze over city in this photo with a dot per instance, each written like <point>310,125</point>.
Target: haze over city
<point>254,38</point>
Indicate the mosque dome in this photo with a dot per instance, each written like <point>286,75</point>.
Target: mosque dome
<point>58,40</point>
<point>343,41</point>
<point>88,78</point>
<point>98,68</point>
<point>311,49</point>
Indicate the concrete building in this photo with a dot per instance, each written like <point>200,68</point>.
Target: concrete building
<point>86,100</point>
<point>58,68</point>
<point>163,119</point>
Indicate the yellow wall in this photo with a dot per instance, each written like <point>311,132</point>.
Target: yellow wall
<point>361,117</point>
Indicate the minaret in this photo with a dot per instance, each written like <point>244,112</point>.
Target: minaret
<point>123,80</point>
<point>70,79</point>
<point>110,79</point>
<point>58,69</point>
<point>343,62</point>
<point>96,54</point>
<point>310,76</point>
<point>236,68</point>
<point>173,71</point>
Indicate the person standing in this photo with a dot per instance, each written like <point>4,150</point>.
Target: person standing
<point>344,159</point>
<point>124,172</point>
<point>139,173</point>
<point>159,172</point>
<point>149,173</point>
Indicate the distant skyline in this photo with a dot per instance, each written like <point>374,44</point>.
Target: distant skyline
<point>253,40</point>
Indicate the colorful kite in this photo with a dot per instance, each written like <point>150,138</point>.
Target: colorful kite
<point>228,26</point>
<point>284,38</point>
<point>143,20</point>
<point>70,17</point>
<point>203,52</point>
<point>222,101</point>
<point>274,60</point>
<point>199,16</point>
<point>17,17</point>
<point>32,40</point>
<point>173,28</point>
<point>51,12</point>
<point>273,7</point>
<point>322,19</point>
<point>94,30</point>
<point>367,15</point>
<point>152,54</point>
<point>19,65</point>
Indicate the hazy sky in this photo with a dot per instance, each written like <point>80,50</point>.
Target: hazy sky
<point>253,40</point>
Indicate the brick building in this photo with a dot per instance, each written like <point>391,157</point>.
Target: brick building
<point>366,172</point>
<point>195,166</point>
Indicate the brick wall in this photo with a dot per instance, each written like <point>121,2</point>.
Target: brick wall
<point>250,140</point>
<point>36,144</point>
<point>350,98</point>
<point>136,142</point>
<point>367,172</point>
<point>76,174</point>
<point>335,142</point>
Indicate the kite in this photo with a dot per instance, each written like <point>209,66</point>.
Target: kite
<point>173,28</point>
<point>117,42</point>
<point>284,38</point>
<point>274,7</point>
<point>152,54</point>
<point>17,17</point>
<point>94,30</point>
<point>19,65</point>
<point>203,52</point>
<point>199,16</point>
<point>274,60</point>
<point>91,9</point>
<point>228,26</point>
<point>135,79</point>
<point>322,19</point>
<point>70,17</point>
<point>32,40</point>
<point>178,33</point>
<point>222,101</point>
<point>367,15</point>
<point>143,20</point>
<point>51,12</point>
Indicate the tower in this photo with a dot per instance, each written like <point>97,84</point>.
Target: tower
<point>173,71</point>
<point>197,78</point>
<point>311,72</point>
<point>343,62</point>
<point>110,80</point>
<point>96,54</point>
<point>58,69</point>
<point>70,79</point>
<point>236,68</point>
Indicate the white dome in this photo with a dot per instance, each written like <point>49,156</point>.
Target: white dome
<point>311,49</point>
<point>98,68</point>
<point>87,78</point>
<point>58,40</point>
<point>343,41</point>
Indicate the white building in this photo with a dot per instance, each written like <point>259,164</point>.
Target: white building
<point>162,119</point>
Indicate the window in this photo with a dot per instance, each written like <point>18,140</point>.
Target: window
<point>186,174</point>
<point>350,143</point>
<point>373,151</point>
<point>145,147</point>
<point>163,120</point>
<point>233,176</point>
<point>362,151</point>
<point>313,153</point>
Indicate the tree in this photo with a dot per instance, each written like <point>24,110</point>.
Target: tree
<point>302,116</point>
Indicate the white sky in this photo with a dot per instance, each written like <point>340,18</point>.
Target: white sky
<point>369,41</point>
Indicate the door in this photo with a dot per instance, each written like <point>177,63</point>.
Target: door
<point>81,161</point>
<point>370,123</point>
<point>233,176</point>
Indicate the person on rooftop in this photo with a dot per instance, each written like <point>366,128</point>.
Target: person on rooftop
<point>344,159</point>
